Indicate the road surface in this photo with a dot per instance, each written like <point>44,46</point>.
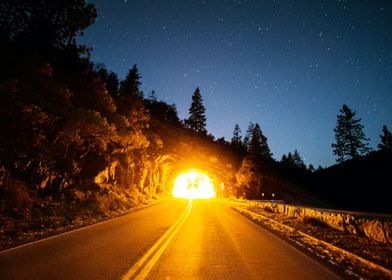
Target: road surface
<point>204,239</point>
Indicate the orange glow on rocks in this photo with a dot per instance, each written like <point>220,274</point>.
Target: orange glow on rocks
<point>193,184</point>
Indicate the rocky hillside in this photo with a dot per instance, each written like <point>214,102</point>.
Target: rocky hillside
<point>77,143</point>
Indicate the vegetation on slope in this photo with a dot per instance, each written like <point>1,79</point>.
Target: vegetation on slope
<point>76,142</point>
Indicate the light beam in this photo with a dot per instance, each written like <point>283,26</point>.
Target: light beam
<point>193,184</point>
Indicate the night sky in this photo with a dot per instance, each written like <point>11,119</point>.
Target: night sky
<point>288,65</point>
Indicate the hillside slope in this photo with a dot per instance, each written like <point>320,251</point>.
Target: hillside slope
<point>360,184</point>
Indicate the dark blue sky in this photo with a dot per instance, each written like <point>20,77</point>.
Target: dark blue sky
<point>287,65</point>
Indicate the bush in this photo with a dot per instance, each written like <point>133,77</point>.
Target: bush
<point>15,198</point>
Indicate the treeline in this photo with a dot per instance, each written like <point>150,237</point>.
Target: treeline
<point>76,140</point>
<point>257,176</point>
<point>63,120</point>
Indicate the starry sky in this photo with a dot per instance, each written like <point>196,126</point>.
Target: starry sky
<point>287,65</point>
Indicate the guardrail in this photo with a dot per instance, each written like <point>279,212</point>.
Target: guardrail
<point>373,226</point>
<point>370,264</point>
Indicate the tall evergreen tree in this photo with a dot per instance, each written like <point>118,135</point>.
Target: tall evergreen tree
<point>298,161</point>
<point>110,78</point>
<point>130,86</point>
<point>386,139</point>
<point>248,135</point>
<point>172,115</point>
<point>287,160</point>
<point>283,159</point>
<point>236,140</point>
<point>197,118</point>
<point>112,84</point>
<point>258,147</point>
<point>130,99</point>
<point>351,141</point>
<point>293,160</point>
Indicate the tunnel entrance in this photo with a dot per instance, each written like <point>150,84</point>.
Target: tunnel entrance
<point>193,184</point>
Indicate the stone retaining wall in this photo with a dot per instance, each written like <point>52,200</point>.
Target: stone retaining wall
<point>378,228</point>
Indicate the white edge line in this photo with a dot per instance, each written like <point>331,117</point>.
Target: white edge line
<point>73,230</point>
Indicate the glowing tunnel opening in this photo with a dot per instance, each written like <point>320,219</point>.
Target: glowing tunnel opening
<point>193,184</point>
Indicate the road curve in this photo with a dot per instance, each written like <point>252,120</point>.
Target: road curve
<point>208,241</point>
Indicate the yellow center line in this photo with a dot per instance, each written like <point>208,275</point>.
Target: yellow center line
<point>158,248</point>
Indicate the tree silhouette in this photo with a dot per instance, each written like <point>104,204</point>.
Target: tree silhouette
<point>386,139</point>
<point>130,86</point>
<point>284,159</point>
<point>130,100</point>
<point>236,140</point>
<point>298,162</point>
<point>112,84</point>
<point>288,160</point>
<point>248,135</point>
<point>197,118</point>
<point>162,111</point>
<point>109,78</point>
<point>293,162</point>
<point>46,24</point>
<point>351,141</point>
<point>258,147</point>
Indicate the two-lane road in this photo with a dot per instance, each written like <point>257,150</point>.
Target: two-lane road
<point>102,251</point>
<point>209,242</point>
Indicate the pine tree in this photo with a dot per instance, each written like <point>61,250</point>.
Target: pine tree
<point>298,162</point>
<point>236,140</point>
<point>258,147</point>
<point>130,86</point>
<point>289,160</point>
<point>351,141</point>
<point>248,135</point>
<point>112,84</point>
<point>386,139</point>
<point>109,78</point>
<point>197,118</point>
<point>293,160</point>
<point>130,99</point>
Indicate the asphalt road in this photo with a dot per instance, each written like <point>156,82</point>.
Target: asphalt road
<point>204,239</point>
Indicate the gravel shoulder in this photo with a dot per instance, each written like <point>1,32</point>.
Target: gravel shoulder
<point>319,241</point>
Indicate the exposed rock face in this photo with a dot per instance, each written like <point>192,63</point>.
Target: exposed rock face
<point>107,175</point>
<point>373,227</point>
<point>149,173</point>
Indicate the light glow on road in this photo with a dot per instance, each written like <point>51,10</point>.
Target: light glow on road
<point>193,184</point>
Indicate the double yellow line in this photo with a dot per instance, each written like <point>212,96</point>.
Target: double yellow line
<point>142,268</point>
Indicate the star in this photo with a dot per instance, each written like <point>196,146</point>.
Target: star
<point>300,58</point>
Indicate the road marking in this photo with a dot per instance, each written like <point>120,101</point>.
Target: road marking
<point>73,230</point>
<point>330,246</point>
<point>149,259</point>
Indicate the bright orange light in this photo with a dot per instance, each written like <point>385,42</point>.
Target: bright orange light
<point>193,184</point>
